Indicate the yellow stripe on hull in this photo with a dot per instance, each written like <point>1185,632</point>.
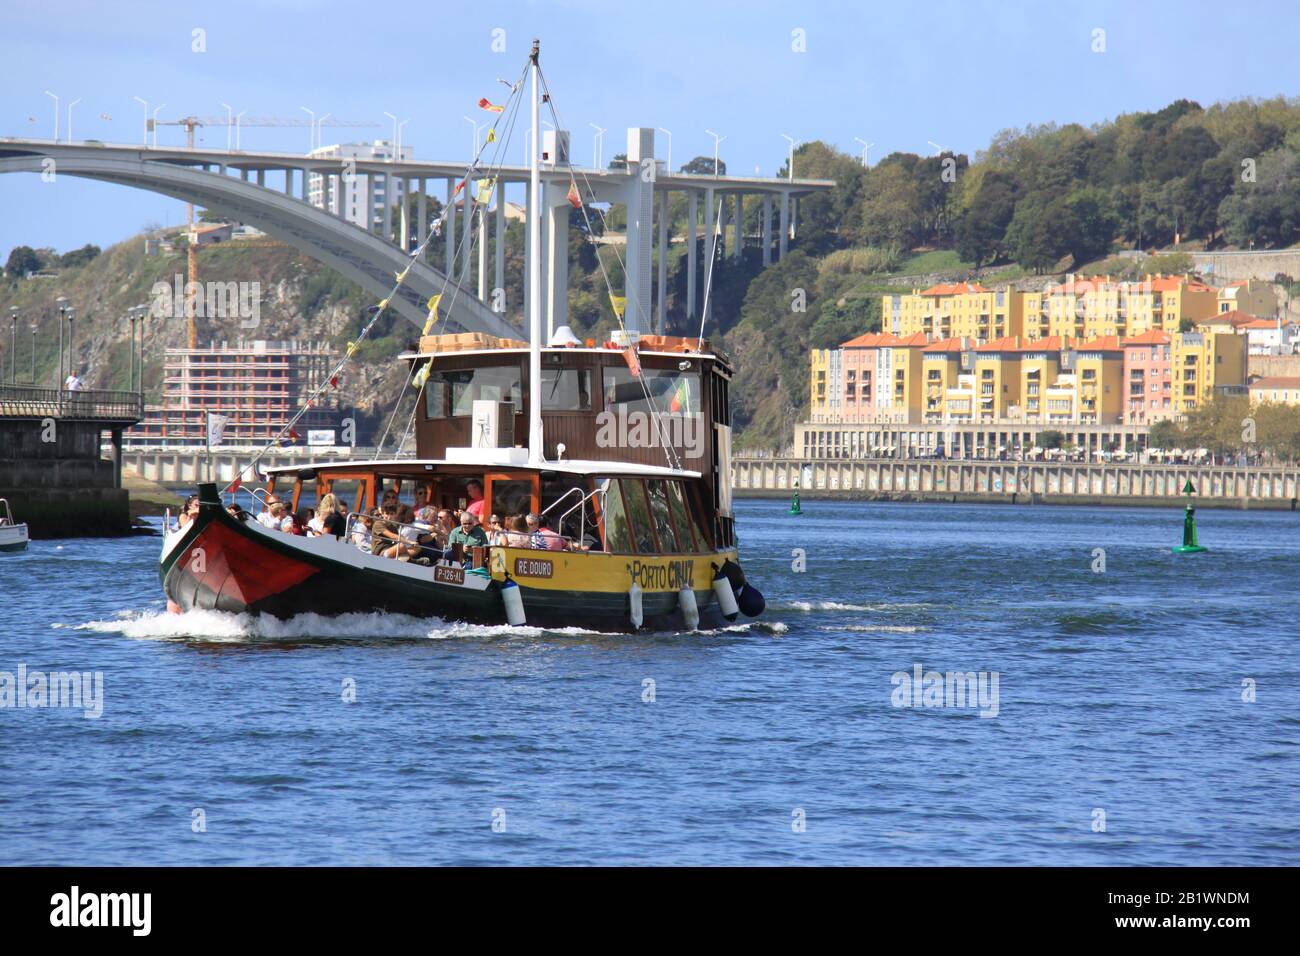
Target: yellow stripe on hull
<point>605,573</point>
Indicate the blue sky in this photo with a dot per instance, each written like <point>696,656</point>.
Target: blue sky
<point>898,74</point>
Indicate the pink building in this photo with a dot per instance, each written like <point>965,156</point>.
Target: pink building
<point>859,356</point>
<point>1148,393</point>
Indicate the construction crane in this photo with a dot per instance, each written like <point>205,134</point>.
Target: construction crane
<point>190,123</point>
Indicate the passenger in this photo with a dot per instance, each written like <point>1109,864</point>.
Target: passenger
<point>328,505</point>
<point>494,526</point>
<point>189,511</point>
<point>236,512</point>
<point>279,517</point>
<point>516,535</point>
<point>542,536</point>
<point>414,536</point>
<point>361,532</point>
<point>384,530</point>
<point>332,517</point>
<point>468,535</point>
<point>474,488</point>
<point>299,520</point>
<point>266,519</point>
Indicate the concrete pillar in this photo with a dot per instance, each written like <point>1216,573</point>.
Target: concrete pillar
<point>243,174</point>
<point>555,279</point>
<point>388,206</point>
<point>288,182</point>
<point>767,230</point>
<point>303,186</point>
<point>638,197</point>
<point>794,216</point>
<point>467,239</point>
<point>692,223</point>
<point>499,258</point>
<point>261,177</point>
<point>785,227</point>
<point>661,313</point>
<point>370,203</point>
<point>404,218</point>
<point>449,229</point>
<point>738,239</point>
<point>710,251</point>
<point>422,211</point>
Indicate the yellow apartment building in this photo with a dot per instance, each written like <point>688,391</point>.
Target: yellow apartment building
<point>942,362</point>
<point>1100,307</point>
<point>1277,389</point>
<point>1098,368</point>
<point>958,310</point>
<point>1202,363</point>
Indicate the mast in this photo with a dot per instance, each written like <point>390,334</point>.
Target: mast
<point>535,279</point>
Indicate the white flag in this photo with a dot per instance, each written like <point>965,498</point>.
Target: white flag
<point>216,427</point>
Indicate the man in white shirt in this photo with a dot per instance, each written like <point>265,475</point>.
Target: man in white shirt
<point>73,383</point>
<point>265,519</point>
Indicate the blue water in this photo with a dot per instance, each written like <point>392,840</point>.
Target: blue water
<point>1118,691</point>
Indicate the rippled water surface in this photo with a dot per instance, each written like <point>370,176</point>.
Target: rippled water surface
<point>1119,693</point>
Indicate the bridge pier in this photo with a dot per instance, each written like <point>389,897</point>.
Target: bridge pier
<point>767,231</point>
<point>738,239</point>
<point>785,227</point>
<point>710,251</point>
<point>449,230</point>
<point>662,312</point>
<point>692,223</point>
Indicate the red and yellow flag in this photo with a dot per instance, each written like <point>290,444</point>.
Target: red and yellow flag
<point>488,105</point>
<point>574,197</point>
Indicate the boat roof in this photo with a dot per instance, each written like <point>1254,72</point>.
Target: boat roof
<point>490,461</point>
<point>444,353</point>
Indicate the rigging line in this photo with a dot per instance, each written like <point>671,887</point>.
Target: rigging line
<point>513,105</point>
<point>661,429</point>
<point>708,278</point>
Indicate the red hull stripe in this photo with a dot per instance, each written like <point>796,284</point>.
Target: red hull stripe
<point>240,568</point>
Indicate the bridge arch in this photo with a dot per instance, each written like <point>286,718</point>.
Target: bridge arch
<point>366,259</point>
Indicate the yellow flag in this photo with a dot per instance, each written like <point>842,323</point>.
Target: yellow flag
<point>619,302</point>
<point>492,136</point>
<point>401,276</point>
<point>421,376</point>
<point>432,320</point>
<point>383,304</point>
<point>485,190</point>
<point>352,348</point>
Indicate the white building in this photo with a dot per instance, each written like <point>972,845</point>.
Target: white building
<point>327,192</point>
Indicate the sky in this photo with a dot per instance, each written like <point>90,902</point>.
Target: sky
<point>903,76</point>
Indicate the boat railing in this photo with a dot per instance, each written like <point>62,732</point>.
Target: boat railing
<point>7,516</point>
<point>571,491</point>
<point>582,518</point>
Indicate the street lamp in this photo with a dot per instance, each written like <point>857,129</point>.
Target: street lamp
<point>669,134</point>
<point>311,128</point>
<point>13,344</point>
<point>229,125</point>
<point>716,141</point>
<point>72,318</point>
<point>474,126</point>
<point>597,142</point>
<point>865,146</point>
<point>33,353</point>
<point>790,163</point>
<point>394,119</point>
<point>62,303</point>
<point>155,125</point>
<point>238,117</point>
<point>56,113</point>
<point>320,138</point>
<point>70,106</point>
<point>145,103</point>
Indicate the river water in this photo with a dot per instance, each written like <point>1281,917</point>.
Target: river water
<point>1130,706</point>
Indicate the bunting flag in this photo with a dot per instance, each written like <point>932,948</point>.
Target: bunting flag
<point>352,349</point>
<point>487,104</point>
<point>383,304</point>
<point>421,376</point>
<point>485,187</point>
<point>216,428</point>
<point>632,359</point>
<point>619,304</point>
<point>432,320</point>
<point>492,135</point>
<point>235,485</point>
<point>459,186</point>
<point>334,381</point>
<point>401,276</point>
<point>574,197</point>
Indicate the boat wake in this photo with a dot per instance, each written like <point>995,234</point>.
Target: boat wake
<point>220,627</point>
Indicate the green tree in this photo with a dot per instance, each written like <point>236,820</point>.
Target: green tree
<point>1039,232</point>
<point>981,231</point>
<point>703,166</point>
<point>1092,227</point>
<point>79,257</point>
<point>22,260</point>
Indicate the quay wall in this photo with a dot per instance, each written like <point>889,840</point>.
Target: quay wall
<point>1013,482</point>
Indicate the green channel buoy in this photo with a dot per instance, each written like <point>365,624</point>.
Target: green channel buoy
<point>794,501</point>
<point>1189,545</point>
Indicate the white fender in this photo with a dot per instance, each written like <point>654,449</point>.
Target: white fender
<point>514,602</point>
<point>634,603</point>
<point>690,610</point>
<point>726,597</point>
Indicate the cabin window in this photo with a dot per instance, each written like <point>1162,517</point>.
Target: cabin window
<point>509,496</point>
<point>566,390</point>
<point>618,532</point>
<point>681,518</point>
<point>465,386</point>
<point>638,513</point>
<point>663,519</point>
<point>437,392</point>
<point>672,392</point>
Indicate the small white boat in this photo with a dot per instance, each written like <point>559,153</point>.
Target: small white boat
<point>13,536</point>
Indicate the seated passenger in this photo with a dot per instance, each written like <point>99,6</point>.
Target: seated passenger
<point>542,536</point>
<point>189,511</point>
<point>265,518</point>
<point>516,535</point>
<point>361,532</point>
<point>279,517</point>
<point>468,535</point>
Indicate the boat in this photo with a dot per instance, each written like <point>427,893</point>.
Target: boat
<point>13,535</point>
<point>622,448</point>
